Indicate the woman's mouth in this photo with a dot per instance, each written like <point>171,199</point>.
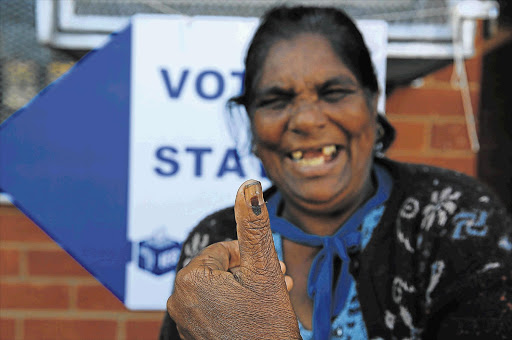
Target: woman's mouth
<point>314,157</point>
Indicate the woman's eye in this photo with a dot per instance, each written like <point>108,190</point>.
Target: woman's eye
<point>334,95</point>
<point>273,102</point>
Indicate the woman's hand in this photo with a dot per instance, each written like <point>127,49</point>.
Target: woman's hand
<point>236,289</point>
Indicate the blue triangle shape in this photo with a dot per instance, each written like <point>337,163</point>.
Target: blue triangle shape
<point>64,160</point>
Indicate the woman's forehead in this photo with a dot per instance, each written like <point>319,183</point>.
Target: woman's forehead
<point>307,57</point>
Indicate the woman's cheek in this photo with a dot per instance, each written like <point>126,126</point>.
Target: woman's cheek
<point>361,144</point>
<point>365,140</point>
<point>267,128</point>
<point>351,117</point>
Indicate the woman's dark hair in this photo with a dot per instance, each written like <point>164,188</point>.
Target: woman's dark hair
<point>284,23</point>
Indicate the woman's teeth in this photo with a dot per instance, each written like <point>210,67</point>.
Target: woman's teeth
<point>314,157</point>
<point>329,150</point>
<point>296,155</point>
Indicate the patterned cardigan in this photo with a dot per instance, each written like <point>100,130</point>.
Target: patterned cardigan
<point>438,265</point>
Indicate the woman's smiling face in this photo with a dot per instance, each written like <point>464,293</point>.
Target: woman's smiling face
<point>313,127</point>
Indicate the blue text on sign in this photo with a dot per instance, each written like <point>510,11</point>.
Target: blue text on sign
<point>175,85</point>
<point>169,159</point>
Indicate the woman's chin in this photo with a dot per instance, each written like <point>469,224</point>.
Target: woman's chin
<point>319,198</point>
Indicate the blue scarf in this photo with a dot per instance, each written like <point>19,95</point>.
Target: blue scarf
<point>328,304</point>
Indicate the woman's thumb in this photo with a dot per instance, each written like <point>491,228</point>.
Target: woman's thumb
<point>257,252</point>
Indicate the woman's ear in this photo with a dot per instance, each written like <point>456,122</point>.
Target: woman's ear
<point>385,132</point>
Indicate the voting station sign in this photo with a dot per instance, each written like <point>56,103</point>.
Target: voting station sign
<point>122,156</point>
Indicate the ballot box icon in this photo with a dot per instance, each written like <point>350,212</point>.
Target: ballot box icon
<point>159,254</point>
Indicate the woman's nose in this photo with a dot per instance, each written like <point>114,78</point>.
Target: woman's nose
<point>307,118</point>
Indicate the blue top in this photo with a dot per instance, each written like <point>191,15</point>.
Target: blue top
<point>341,303</point>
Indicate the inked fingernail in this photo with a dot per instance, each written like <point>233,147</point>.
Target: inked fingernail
<point>254,196</point>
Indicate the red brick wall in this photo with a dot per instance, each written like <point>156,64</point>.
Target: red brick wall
<point>430,122</point>
<point>429,117</point>
<point>45,294</point>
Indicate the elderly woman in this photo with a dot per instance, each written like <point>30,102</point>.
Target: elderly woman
<point>371,248</point>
